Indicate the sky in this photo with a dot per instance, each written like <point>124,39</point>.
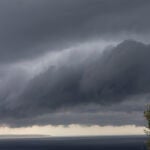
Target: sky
<point>72,65</point>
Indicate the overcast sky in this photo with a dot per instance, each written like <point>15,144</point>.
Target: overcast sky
<point>68,62</point>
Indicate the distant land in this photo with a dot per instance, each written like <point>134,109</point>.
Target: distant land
<point>14,136</point>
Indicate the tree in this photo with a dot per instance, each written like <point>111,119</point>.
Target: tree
<point>147,116</point>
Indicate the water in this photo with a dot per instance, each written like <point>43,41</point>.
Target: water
<point>76,143</point>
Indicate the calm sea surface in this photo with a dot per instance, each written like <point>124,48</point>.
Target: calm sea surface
<point>76,143</point>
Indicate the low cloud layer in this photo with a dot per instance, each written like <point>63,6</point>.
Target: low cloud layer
<point>72,61</point>
<point>108,79</point>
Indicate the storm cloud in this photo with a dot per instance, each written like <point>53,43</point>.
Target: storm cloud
<point>74,62</point>
<point>109,79</point>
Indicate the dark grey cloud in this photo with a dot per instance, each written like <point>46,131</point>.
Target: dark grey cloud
<point>109,80</point>
<point>77,82</point>
<point>111,77</point>
<point>30,28</point>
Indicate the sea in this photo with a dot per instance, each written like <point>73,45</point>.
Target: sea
<point>76,143</point>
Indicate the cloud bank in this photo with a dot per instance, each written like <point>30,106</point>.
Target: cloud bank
<point>109,79</point>
<point>74,62</point>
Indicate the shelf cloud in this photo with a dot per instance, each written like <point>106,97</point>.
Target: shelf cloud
<point>74,62</point>
<point>108,79</point>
